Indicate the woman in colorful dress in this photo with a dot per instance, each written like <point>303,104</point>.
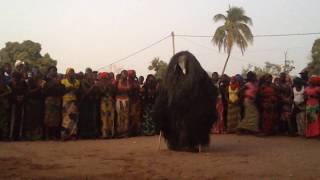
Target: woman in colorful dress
<point>122,105</point>
<point>53,91</point>
<point>299,107</point>
<point>34,108</point>
<point>234,116</point>
<point>5,92</point>
<point>312,107</point>
<point>148,98</point>
<point>135,104</point>
<point>70,113</point>
<point>249,123</point>
<point>267,98</point>
<point>107,105</point>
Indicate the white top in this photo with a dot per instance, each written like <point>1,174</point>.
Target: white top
<point>298,96</point>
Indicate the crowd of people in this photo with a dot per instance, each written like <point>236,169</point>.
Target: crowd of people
<point>268,105</point>
<point>51,106</point>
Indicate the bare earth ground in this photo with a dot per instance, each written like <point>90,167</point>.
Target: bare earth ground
<point>228,157</point>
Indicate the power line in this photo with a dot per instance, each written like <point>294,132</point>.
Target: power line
<point>260,35</point>
<point>137,52</point>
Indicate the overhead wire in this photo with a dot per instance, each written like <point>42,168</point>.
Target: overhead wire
<point>136,52</point>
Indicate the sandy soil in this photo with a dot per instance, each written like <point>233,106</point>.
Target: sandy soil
<point>228,157</point>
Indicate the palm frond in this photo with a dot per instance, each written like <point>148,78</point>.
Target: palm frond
<point>218,37</point>
<point>219,17</point>
<point>245,31</point>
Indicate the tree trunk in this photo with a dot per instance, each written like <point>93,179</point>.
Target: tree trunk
<point>225,64</point>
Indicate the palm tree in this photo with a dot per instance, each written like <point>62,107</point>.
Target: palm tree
<point>234,30</point>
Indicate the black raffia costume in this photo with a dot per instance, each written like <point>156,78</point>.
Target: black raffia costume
<point>185,107</point>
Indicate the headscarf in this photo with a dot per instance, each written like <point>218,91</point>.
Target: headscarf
<point>18,63</point>
<point>234,83</point>
<point>69,70</point>
<point>103,75</point>
<point>314,80</point>
<point>131,73</point>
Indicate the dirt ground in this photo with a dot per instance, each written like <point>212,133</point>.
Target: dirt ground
<point>228,157</point>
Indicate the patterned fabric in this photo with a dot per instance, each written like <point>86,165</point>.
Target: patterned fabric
<point>67,84</point>
<point>301,118</point>
<point>233,117</point>
<point>122,121</point>
<point>268,103</point>
<point>312,112</point>
<point>70,116</point>
<point>52,114</point>
<point>135,116</point>
<point>251,115</point>
<point>107,115</point>
<point>148,124</point>
<point>218,126</point>
<point>250,120</point>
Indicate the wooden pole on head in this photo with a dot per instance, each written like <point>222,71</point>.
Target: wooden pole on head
<point>173,44</point>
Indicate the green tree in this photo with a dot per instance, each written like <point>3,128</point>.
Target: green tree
<point>235,30</point>
<point>159,66</point>
<point>314,65</point>
<point>27,51</point>
<point>270,68</point>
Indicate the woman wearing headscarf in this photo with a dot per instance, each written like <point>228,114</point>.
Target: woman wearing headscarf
<point>149,91</point>
<point>89,106</point>
<point>53,91</point>
<point>107,105</point>
<point>312,107</point>
<point>122,105</point>
<point>135,104</point>
<point>268,98</point>
<point>70,113</point>
<point>33,121</point>
<point>234,116</point>
<point>249,123</point>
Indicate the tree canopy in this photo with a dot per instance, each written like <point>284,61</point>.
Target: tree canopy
<point>235,30</point>
<point>314,66</point>
<point>159,66</point>
<point>28,52</point>
<point>268,68</point>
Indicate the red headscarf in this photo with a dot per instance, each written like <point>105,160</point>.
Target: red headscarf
<point>234,84</point>
<point>103,75</point>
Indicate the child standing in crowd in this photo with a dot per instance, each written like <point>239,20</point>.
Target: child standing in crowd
<point>299,106</point>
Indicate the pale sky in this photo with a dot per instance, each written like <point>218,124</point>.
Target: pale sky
<point>95,33</point>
